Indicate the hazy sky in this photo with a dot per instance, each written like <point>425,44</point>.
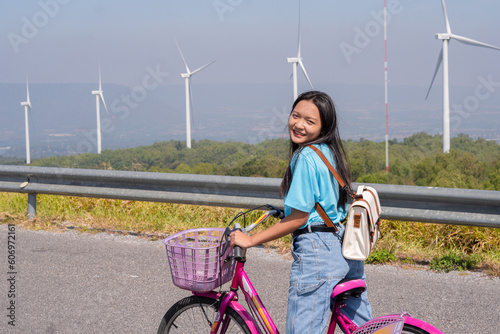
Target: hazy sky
<point>64,41</point>
<point>342,41</point>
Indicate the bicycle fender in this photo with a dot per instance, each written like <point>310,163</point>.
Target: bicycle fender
<point>242,312</point>
<point>422,324</point>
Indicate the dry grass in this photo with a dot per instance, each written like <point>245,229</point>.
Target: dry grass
<point>420,243</point>
<point>408,242</point>
<point>466,239</point>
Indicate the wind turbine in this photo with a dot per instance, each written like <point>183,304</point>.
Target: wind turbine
<point>443,57</point>
<point>99,96</point>
<point>187,76</point>
<point>27,105</point>
<point>295,61</point>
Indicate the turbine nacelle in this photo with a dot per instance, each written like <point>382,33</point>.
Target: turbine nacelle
<point>293,60</point>
<point>443,36</point>
<point>27,103</point>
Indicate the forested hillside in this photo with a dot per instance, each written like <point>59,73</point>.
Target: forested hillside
<point>417,160</point>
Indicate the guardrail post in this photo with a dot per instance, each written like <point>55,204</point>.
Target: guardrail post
<point>31,205</point>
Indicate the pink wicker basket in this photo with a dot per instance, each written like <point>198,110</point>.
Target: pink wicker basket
<point>193,256</point>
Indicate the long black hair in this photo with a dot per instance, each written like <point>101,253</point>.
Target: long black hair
<point>329,135</point>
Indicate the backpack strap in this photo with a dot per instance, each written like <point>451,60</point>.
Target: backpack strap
<point>376,203</point>
<point>324,216</point>
<point>341,182</point>
<point>329,165</point>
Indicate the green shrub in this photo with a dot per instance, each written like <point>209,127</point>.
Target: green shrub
<point>381,256</point>
<point>454,261</point>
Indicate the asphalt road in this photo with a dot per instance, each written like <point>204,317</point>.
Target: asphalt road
<point>98,283</point>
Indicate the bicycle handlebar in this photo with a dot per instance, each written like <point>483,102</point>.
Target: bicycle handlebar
<point>274,212</point>
<point>238,251</point>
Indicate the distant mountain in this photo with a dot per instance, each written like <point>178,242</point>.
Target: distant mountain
<point>64,114</point>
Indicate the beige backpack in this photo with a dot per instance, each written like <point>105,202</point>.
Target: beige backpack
<point>362,229</point>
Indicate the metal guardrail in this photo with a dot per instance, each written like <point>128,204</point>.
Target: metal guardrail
<point>406,203</point>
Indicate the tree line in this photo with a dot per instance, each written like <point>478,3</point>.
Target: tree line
<point>416,160</point>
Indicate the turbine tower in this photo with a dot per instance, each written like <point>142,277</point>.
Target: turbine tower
<point>443,57</point>
<point>295,61</point>
<point>187,77</point>
<point>99,97</point>
<point>27,105</point>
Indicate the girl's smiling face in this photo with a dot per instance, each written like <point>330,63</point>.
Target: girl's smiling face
<point>304,123</point>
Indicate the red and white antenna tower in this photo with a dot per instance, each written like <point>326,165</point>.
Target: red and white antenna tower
<point>386,104</point>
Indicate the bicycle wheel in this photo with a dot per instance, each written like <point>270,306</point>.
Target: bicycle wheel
<point>410,329</point>
<point>196,315</point>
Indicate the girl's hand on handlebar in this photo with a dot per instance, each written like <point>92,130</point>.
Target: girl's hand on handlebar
<point>238,238</point>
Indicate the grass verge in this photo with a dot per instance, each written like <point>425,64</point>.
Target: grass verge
<point>440,247</point>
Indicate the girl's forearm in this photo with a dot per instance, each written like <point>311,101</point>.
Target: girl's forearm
<point>286,226</point>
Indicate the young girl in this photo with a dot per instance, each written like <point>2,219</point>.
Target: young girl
<point>317,251</point>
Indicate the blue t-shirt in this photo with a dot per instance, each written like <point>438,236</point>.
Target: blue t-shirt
<point>313,182</point>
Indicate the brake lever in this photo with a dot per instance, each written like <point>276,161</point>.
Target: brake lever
<point>279,213</point>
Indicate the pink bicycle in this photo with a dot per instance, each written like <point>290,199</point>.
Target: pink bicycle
<point>201,260</point>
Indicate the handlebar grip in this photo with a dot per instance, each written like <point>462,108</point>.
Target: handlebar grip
<point>238,253</point>
<point>278,213</point>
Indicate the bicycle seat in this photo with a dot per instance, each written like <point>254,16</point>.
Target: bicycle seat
<point>349,287</point>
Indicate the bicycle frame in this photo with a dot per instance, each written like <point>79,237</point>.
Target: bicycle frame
<point>340,318</point>
<point>241,281</point>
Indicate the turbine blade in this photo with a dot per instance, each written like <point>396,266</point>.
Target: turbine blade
<point>184,60</point>
<point>100,77</point>
<point>200,68</point>
<point>103,102</point>
<point>305,73</point>
<point>469,41</point>
<point>27,91</point>
<point>440,60</point>
<point>446,22</point>
<point>298,51</point>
